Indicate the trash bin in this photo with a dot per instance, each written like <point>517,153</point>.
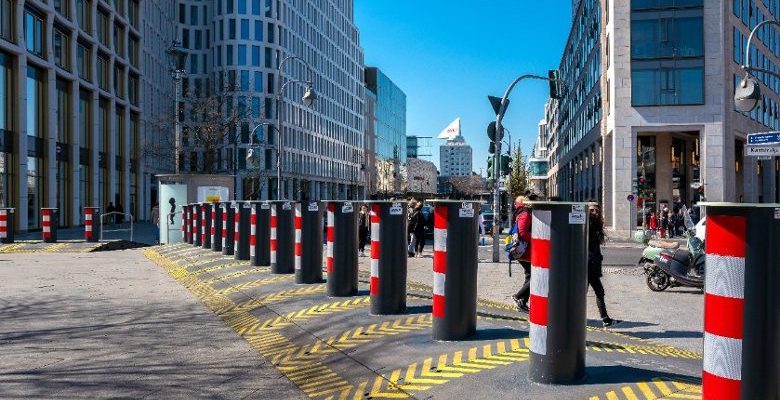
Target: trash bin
<point>7,225</point>
<point>342,249</point>
<point>91,214</point>
<point>49,223</point>
<point>260,234</point>
<point>388,258</point>
<point>308,242</point>
<point>455,243</point>
<point>228,227</point>
<point>282,237</point>
<point>241,236</point>
<point>216,227</point>
<point>559,285</point>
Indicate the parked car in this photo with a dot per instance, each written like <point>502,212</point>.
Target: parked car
<point>488,219</point>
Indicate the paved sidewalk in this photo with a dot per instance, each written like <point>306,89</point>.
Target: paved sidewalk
<point>114,325</point>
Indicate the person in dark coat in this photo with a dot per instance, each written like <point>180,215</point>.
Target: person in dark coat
<point>596,238</point>
<point>364,229</point>
<point>417,228</point>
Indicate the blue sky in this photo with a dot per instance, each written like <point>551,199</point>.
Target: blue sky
<point>449,55</point>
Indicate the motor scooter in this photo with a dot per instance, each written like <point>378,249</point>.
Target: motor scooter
<point>676,267</point>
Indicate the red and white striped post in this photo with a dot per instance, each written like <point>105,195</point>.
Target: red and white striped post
<point>185,227</point>
<point>440,217</point>
<point>195,231</point>
<point>540,281</point>
<point>376,209</point>
<point>741,302</point>
<point>252,233</point>
<point>298,237</point>
<point>388,258</point>
<point>274,243</point>
<point>90,215</point>
<point>202,223</point>
<point>49,224</point>
<point>7,225</point>
<point>331,216</point>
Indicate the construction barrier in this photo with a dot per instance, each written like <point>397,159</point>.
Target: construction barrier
<point>559,284</point>
<point>91,214</point>
<point>342,249</point>
<point>241,230</point>
<point>49,223</point>
<point>260,234</point>
<point>741,302</point>
<point>282,244</point>
<point>455,243</point>
<point>205,225</point>
<point>228,227</point>
<point>308,242</point>
<point>7,225</point>
<point>388,258</point>
<point>216,227</point>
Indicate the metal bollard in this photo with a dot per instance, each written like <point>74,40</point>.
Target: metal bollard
<point>90,215</point>
<point>216,227</point>
<point>342,257</point>
<point>49,223</point>
<point>205,225</point>
<point>741,302</point>
<point>186,223</point>
<point>282,245</point>
<point>455,243</point>
<point>388,258</point>
<point>308,243</point>
<point>241,232</point>
<point>228,227</point>
<point>559,284</point>
<point>196,224</point>
<point>260,234</point>
<point>7,225</point>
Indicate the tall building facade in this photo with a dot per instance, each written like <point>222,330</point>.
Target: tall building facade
<point>388,138</point>
<point>455,158</point>
<point>71,107</point>
<point>668,72</point>
<point>538,163</point>
<point>235,49</point>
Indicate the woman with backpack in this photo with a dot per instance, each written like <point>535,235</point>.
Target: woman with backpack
<point>522,219</point>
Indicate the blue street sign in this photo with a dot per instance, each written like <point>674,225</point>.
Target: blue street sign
<point>764,138</point>
<point>630,197</point>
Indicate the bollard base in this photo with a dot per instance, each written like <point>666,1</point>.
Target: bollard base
<point>556,369</point>
<point>278,269</point>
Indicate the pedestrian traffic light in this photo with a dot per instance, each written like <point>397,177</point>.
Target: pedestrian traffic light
<point>490,175</point>
<point>506,164</point>
<point>492,148</point>
<point>555,84</point>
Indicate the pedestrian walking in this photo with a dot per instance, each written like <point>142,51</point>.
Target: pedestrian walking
<point>596,238</point>
<point>364,229</point>
<point>418,223</point>
<point>522,236</point>
<point>412,240</point>
<point>109,210</point>
<point>120,218</point>
<point>653,222</point>
<point>662,217</point>
<point>155,219</point>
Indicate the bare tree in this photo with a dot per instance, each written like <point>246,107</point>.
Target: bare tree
<point>468,186</point>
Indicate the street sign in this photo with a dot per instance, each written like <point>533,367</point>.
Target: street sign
<point>765,158</point>
<point>753,151</point>
<point>766,138</point>
<point>630,197</point>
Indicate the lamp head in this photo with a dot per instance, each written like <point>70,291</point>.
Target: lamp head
<point>747,95</point>
<point>250,155</point>
<point>309,96</point>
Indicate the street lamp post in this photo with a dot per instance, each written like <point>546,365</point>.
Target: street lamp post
<point>250,153</point>
<point>178,73</point>
<point>309,97</point>
<point>497,154</point>
<point>747,95</point>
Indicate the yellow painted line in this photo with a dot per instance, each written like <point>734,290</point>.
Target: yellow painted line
<point>256,283</point>
<point>646,391</point>
<point>237,274</point>
<point>629,393</point>
<point>612,396</point>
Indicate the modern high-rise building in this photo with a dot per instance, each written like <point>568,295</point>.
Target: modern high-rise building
<point>388,133</point>
<point>71,104</point>
<point>235,48</point>
<point>538,163</point>
<point>455,158</point>
<point>649,99</point>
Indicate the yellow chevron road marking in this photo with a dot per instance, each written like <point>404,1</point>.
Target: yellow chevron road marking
<point>305,314</point>
<point>274,298</point>
<point>256,283</point>
<point>435,371</point>
<point>610,347</point>
<point>654,389</point>
<point>10,248</point>
<point>184,271</point>
<point>238,274</point>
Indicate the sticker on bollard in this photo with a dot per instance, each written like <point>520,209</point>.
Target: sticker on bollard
<point>260,235</point>
<point>7,225</point>
<point>741,321</point>
<point>216,227</point>
<point>91,214</point>
<point>228,227</point>
<point>342,257</point>
<point>308,243</point>
<point>455,237</point>
<point>388,258</point>
<point>282,244</point>
<point>205,225</point>
<point>241,236</point>
<point>559,253</point>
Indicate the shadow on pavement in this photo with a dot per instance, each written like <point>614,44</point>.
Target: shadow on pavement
<point>668,334</point>
<point>418,310</point>
<point>596,323</point>
<point>621,374</point>
<point>498,334</point>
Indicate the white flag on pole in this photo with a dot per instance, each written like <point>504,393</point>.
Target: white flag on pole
<point>452,131</point>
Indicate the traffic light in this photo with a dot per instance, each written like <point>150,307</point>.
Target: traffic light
<point>506,164</point>
<point>492,148</point>
<point>555,84</point>
<point>490,175</point>
<point>493,133</point>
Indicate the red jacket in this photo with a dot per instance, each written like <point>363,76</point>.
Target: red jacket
<point>523,221</point>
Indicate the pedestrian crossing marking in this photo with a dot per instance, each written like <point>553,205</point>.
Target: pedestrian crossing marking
<point>655,389</point>
<point>256,283</point>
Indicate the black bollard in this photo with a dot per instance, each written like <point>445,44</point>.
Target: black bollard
<point>282,245</point>
<point>228,227</point>
<point>260,234</point>
<point>388,258</point>
<point>308,242</point>
<point>342,249</point>
<point>216,227</point>
<point>7,225</point>
<point>241,236</point>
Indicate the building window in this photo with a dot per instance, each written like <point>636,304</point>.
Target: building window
<point>7,20</point>
<point>666,87</point>
<point>102,72</point>
<point>102,28</point>
<point>36,109</point>
<point>132,84</point>
<point>62,7</point>
<point>84,62</point>
<point>33,33</point>
<point>133,53</point>
<point>61,49</point>
<point>83,14</point>
<point>119,41</point>
<point>119,81</point>
<point>132,12</point>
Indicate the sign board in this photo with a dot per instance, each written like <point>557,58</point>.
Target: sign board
<point>313,206</point>
<point>265,206</point>
<point>766,138</point>
<point>211,194</point>
<point>631,197</point>
<point>347,208</point>
<point>753,151</point>
<point>287,206</point>
<point>466,211</point>
<point>577,218</point>
<point>396,209</point>
<point>777,213</point>
<point>247,205</point>
<point>764,158</point>
<point>577,208</point>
